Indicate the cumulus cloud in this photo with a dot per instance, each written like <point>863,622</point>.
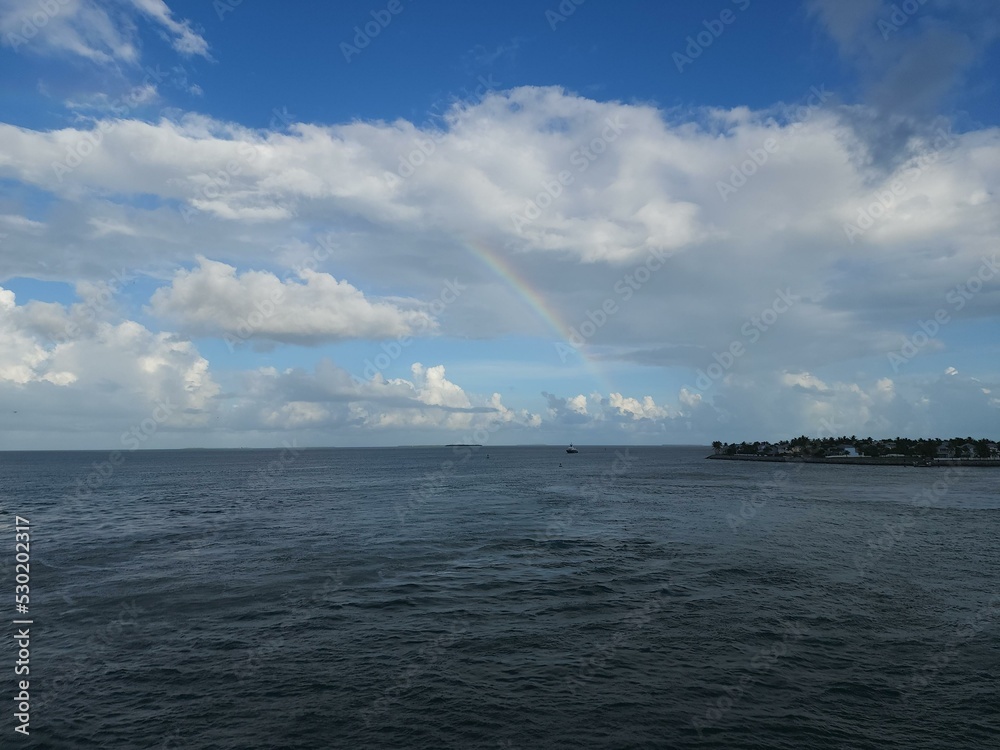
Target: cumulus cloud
<point>682,188</point>
<point>636,409</point>
<point>67,370</point>
<point>213,298</point>
<point>622,412</point>
<point>772,406</point>
<point>330,398</point>
<point>24,361</point>
<point>815,213</point>
<point>82,368</point>
<point>497,167</point>
<point>868,253</point>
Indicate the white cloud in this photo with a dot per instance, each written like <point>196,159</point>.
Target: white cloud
<point>508,416</point>
<point>24,360</point>
<point>77,27</point>
<point>626,414</point>
<point>67,372</point>
<point>804,380</point>
<point>103,227</point>
<point>636,409</point>
<point>100,31</point>
<point>433,388</point>
<point>64,367</point>
<point>295,415</point>
<point>331,399</point>
<point>213,298</point>
<point>689,400</point>
<point>656,186</point>
<point>487,169</point>
<point>22,223</point>
<point>101,103</point>
<point>776,406</point>
<point>263,196</point>
<point>743,249</point>
<point>183,39</point>
<point>577,404</point>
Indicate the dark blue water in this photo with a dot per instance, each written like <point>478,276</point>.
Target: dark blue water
<point>386,598</point>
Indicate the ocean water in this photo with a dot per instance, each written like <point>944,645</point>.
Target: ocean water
<point>502,598</point>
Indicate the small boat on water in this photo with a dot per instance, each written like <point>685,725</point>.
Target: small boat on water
<point>571,449</point>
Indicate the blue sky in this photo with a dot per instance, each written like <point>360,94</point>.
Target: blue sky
<point>538,222</point>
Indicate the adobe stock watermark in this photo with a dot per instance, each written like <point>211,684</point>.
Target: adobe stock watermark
<point>426,147</point>
<point>958,297</point>
<point>392,350</point>
<point>603,652</point>
<point>964,633</point>
<point>266,474</point>
<point>879,546</point>
<point>562,12</point>
<point>755,502</point>
<point>213,184</point>
<point>139,433</point>
<point>594,490</point>
<point>760,664</point>
<point>426,659</point>
<point>98,649</point>
<point>268,649</point>
<point>277,467</point>
<point>33,21</point>
<point>91,140</point>
<point>324,247</point>
<point>582,158</point>
<point>93,306</point>
<point>266,308</point>
<point>752,330</point>
<point>624,289</point>
<point>884,201</point>
<point>364,34</point>
<point>740,173</point>
<point>900,16</point>
<point>223,7</point>
<point>247,326</point>
<point>329,593</point>
<point>431,482</point>
<point>704,39</point>
<point>780,477</point>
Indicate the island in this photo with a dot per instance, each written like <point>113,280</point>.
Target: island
<point>866,451</point>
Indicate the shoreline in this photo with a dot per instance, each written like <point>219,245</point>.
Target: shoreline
<point>863,460</point>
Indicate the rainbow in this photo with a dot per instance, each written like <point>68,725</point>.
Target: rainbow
<point>502,268</point>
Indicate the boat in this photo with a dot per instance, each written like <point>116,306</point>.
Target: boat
<point>571,449</point>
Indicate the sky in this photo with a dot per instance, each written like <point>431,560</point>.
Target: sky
<point>234,223</point>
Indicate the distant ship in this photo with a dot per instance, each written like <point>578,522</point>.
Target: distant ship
<point>571,449</point>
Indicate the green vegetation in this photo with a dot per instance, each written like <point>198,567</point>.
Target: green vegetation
<point>808,447</point>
